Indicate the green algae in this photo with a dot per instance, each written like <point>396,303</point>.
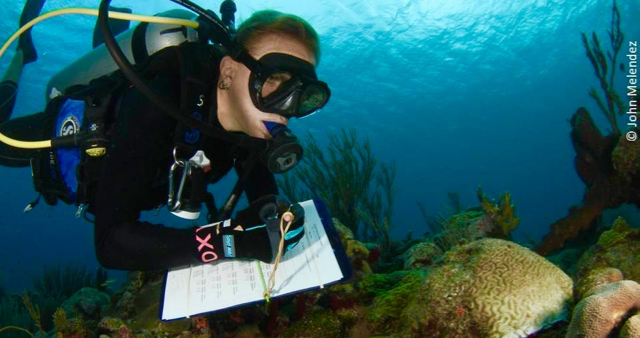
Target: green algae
<point>617,248</point>
<point>616,234</point>
<point>375,285</point>
<point>318,324</point>
<point>389,305</point>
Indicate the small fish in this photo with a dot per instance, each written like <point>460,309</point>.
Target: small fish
<point>108,282</point>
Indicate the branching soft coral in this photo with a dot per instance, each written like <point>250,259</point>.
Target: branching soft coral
<point>358,190</point>
<point>605,163</point>
<point>503,213</point>
<point>614,105</point>
<point>60,321</point>
<point>64,282</point>
<point>436,223</point>
<point>34,312</point>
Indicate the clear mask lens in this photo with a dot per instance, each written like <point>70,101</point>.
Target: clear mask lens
<point>274,83</point>
<point>312,98</point>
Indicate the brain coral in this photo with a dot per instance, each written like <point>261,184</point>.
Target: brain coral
<point>595,278</point>
<point>631,327</point>
<point>421,255</point>
<point>604,308</point>
<point>490,288</point>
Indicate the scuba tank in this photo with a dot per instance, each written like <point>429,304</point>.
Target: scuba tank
<point>137,43</point>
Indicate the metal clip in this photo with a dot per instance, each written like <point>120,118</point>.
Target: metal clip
<point>81,208</point>
<point>33,204</point>
<point>173,201</point>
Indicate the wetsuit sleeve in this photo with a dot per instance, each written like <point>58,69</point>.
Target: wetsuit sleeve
<point>260,182</point>
<point>139,151</point>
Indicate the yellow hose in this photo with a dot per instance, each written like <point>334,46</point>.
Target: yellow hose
<point>85,11</point>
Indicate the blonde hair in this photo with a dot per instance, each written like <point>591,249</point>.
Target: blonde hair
<point>267,22</point>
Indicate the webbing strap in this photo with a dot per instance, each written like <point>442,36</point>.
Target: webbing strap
<point>194,102</point>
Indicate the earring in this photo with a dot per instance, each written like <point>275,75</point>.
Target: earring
<point>224,85</point>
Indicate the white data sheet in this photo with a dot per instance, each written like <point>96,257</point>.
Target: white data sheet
<point>219,285</point>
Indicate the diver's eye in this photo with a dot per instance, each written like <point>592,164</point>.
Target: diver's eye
<point>273,82</point>
<point>278,77</point>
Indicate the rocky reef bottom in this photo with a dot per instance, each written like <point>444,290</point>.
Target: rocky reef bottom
<point>481,287</point>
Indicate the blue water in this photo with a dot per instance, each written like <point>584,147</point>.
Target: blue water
<point>457,93</point>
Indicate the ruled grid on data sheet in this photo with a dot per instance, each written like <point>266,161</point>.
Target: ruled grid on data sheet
<point>219,285</point>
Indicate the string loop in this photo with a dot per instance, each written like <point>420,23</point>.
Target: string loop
<point>283,231</point>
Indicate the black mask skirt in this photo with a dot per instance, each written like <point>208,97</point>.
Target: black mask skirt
<point>284,85</point>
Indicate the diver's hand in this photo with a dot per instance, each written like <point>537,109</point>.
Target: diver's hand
<point>261,223</point>
<point>260,130</point>
<point>254,233</point>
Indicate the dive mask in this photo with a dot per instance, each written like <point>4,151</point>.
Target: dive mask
<point>284,85</point>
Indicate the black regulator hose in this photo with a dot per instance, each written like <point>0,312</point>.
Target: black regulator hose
<point>228,15</point>
<point>214,28</point>
<point>127,69</point>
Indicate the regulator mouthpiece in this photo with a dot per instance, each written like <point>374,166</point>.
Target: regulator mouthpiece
<point>284,151</point>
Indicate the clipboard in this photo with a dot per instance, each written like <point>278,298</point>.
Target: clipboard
<point>201,296</point>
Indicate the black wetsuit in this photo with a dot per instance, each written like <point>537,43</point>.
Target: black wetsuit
<point>134,178</point>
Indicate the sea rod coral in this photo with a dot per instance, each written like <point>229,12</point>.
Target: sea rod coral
<point>358,189</point>
<point>603,162</point>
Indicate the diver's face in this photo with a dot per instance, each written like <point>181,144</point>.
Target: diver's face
<point>243,114</point>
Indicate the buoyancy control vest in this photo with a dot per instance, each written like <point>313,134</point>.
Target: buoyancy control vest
<point>89,111</point>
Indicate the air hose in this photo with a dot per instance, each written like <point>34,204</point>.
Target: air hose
<point>85,11</point>
<point>129,72</point>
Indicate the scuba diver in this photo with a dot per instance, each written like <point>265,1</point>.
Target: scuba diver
<point>180,119</point>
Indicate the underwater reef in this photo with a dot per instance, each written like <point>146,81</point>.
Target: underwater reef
<point>71,288</point>
<point>465,277</point>
<point>609,165</point>
<point>358,188</point>
<point>480,284</point>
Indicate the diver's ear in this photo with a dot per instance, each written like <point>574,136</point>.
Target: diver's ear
<point>228,68</point>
